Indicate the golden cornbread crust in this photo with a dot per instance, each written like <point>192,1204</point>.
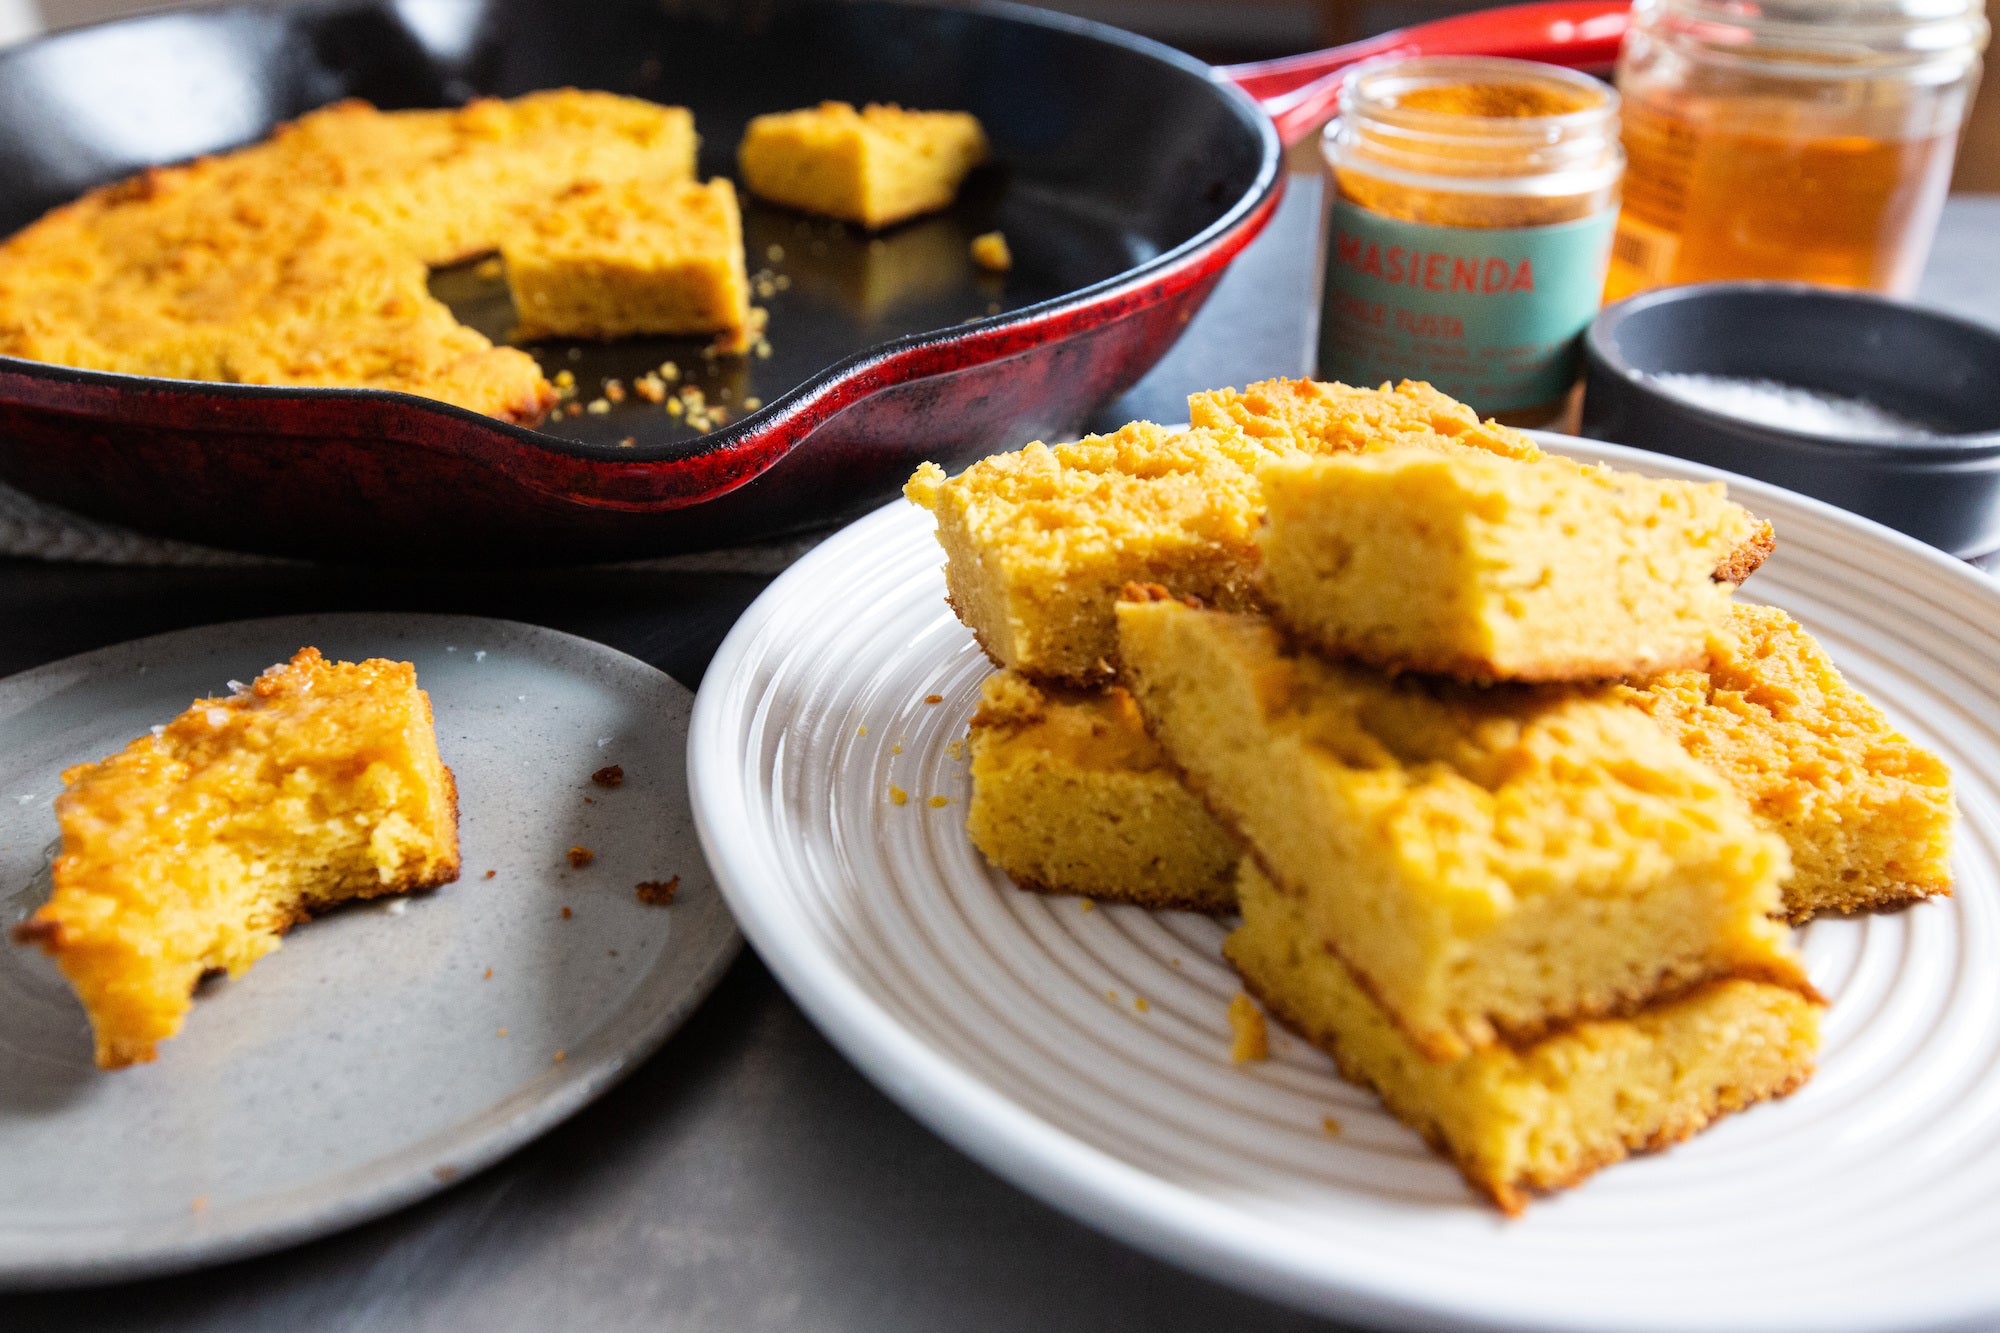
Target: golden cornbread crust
<point>1536,1119</point>
<point>876,166</point>
<point>1070,795</point>
<point>1037,542</point>
<point>194,848</point>
<point>1867,813</point>
<point>302,259</point>
<point>1488,568</point>
<point>1455,843</point>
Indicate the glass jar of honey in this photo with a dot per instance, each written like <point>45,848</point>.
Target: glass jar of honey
<point>1809,140</point>
<point>1469,211</point>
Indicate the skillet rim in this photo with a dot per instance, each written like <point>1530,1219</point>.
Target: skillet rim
<point>791,418</point>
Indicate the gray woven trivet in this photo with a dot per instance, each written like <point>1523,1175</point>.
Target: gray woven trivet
<point>42,531</point>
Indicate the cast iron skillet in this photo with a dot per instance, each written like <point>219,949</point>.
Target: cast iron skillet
<point>1126,176</point>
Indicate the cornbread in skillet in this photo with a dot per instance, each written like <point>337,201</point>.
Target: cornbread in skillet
<point>1487,568</point>
<point>1070,795</point>
<point>637,257</point>
<point>875,166</point>
<point>1039,541</point>
<point>1490,861</point>
<point>193,849</point>
<point>1867,813</point>
<point>1523,1120</point>
<point>304,259</point>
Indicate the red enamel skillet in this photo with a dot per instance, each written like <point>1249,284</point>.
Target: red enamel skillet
<point>1126,177</point>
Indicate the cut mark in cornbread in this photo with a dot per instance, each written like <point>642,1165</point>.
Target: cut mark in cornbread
<point>1867,813</point>
<point>876,166</point>
<point>1491,862</point>
<point>1490,568</point>
<point>192,850</point>
<point>1524,1121</point>
<point>1071,796</point>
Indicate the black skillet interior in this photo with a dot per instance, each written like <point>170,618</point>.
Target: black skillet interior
<point>1090,177</point>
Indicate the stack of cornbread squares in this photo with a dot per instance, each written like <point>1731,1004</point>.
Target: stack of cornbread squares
<point>1511,795</point>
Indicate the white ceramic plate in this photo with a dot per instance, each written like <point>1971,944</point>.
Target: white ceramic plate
<point>1007,1021</point>
<point>362,1065</point>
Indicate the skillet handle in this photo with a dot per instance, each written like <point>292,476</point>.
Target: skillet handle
<point>1302,91</point>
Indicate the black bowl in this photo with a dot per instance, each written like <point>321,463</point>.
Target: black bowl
<point>1942,488</point>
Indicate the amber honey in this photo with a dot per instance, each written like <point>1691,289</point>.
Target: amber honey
<point>1789,141</point>
<point>1707,200</point>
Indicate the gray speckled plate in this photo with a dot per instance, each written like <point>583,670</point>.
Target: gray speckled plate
<point>373,1059</point>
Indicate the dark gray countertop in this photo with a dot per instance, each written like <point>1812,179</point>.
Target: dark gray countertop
<point>745,1177</point>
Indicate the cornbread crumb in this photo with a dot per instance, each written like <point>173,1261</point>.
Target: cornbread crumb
<point>933,698</point>
<point>199,1203</point>
<point>597,407</point>
<point>990,252</point>
<point>581,856</point>
<point>1086,905</point>
<point>559,1057</point>
<point>940,802</point>
<point>1112,996</point>
<point>1329,1126</point>
<point>1141,1004</point>
<point>658,893</point>
<point>896,748</point>
<point>565,914</point>
<point>861,730</point>
<point>1249,1039</point>
<point>611,775</point>
<point>488,976</point>
<point>491,873</point>
<point>503,1032</point>
<point>614,390</point>
<point>897,796</point>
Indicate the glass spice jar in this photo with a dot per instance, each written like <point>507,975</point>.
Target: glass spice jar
<point>1468,221</point>
<point>1809,140</point>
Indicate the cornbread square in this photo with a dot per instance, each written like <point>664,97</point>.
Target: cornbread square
<point>1070,795</point>
<point>1520,1121</point>
<point>193,849</point>
<point>657,257</point>
<point>1867,813</point>
<point>1038,542</point>
<point>1490,862</point>
<point>875,166</point>
<point>1488,568</point>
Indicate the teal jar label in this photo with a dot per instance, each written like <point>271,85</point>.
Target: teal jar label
<point>1491,317</point>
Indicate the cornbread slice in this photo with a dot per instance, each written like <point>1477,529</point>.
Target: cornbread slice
<point>1488,568</point>
<point>303,259</point>
<point>1038,542</point>
<point>875,166</point>
<point>638,257</point>
<point>1524,1121</point>
<point>1867,813</point>
<point>1490,861</point>
<point>193,849</point>
<point>1070,795</point>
